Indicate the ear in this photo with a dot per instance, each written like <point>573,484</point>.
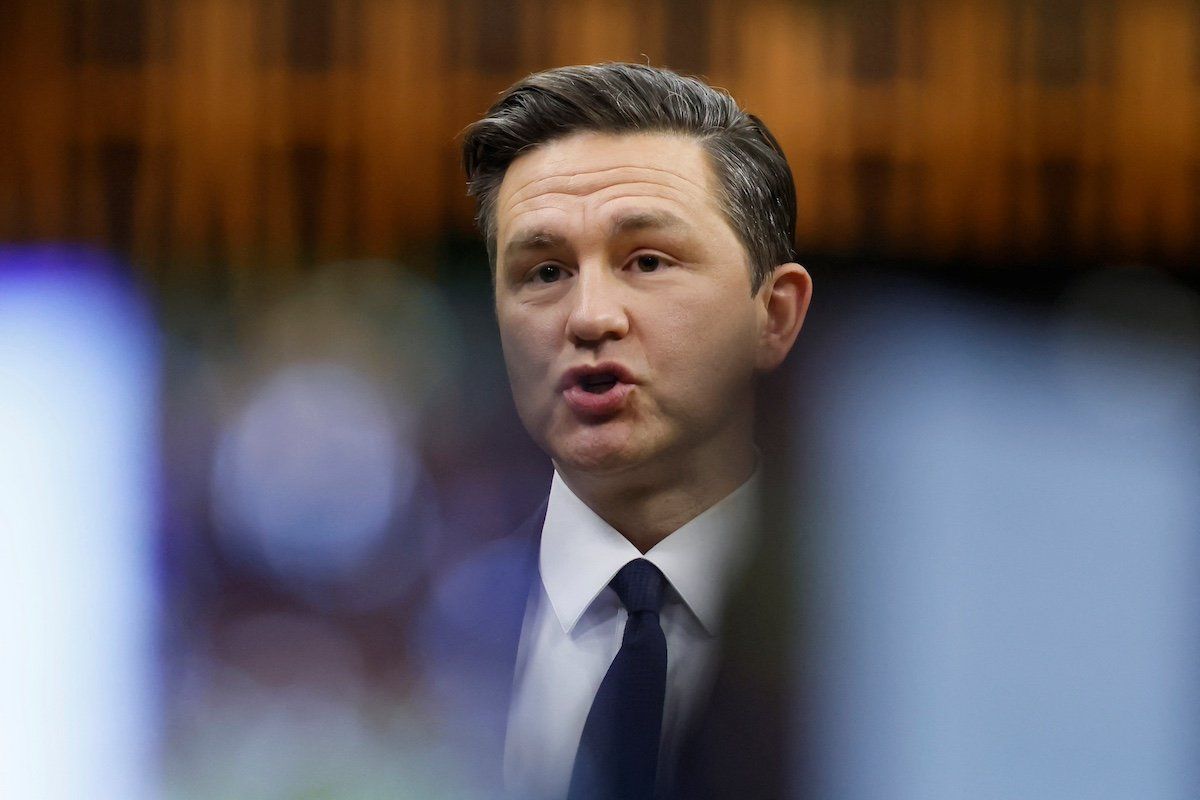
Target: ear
<point>782,304</point>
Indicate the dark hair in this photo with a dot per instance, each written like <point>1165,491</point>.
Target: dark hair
<point>758,194</point>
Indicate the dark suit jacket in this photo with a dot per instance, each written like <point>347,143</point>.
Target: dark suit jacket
<point>742,745</point>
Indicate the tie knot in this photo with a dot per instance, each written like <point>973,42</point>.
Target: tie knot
<point>640,586</point>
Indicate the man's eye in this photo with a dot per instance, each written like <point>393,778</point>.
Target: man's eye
<point>548,273</point>
<point>649,263</point>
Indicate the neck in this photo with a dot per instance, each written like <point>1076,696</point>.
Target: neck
<point>649,502</point>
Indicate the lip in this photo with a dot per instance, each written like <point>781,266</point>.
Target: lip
<point>574,375</point>
<point>594,405</point>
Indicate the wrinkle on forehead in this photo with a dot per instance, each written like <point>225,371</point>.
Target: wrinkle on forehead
<point>580,183</point>
<point>599,168</point>
<point>607,194</point>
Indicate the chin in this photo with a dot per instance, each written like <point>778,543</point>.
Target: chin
<point>595,449</point>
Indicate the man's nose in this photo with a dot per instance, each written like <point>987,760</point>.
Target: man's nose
<point>597,311</point>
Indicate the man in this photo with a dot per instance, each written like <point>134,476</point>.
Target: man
<point>639,227</point>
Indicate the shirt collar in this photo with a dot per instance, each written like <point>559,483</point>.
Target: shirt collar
<point>580,553</point>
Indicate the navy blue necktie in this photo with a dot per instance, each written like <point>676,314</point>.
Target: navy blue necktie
<point>618,751</point>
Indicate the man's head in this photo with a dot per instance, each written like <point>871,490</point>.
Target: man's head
<point>642,257</point>
<point>756,191</point>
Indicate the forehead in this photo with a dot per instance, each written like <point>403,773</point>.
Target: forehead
<point>596,175</point>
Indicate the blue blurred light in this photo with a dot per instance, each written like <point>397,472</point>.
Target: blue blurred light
<point>308,476</point>
<point>1008,518</point>
<point>77,478</point>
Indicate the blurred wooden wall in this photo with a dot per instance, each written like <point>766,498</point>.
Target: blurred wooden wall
<point>256,136</point>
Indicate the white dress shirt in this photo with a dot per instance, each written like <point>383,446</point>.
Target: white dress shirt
<point>573,628</point>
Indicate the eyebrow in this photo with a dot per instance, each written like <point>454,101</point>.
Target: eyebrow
<point>646,220</point>
<point>538,240</point>
<point>532,241</point>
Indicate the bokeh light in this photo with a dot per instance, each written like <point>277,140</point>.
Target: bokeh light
<point>307,477</point>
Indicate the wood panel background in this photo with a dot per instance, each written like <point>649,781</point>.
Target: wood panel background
<point>254,137</point>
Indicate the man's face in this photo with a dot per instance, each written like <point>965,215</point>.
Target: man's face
<point>624,304</point>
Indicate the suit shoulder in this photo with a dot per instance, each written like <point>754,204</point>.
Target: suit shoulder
<point>480,602</point>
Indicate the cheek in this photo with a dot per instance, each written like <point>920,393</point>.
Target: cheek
<point>707,343</point>
<point>528,346</point>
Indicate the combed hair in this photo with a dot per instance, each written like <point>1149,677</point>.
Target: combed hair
<point>758,195</point>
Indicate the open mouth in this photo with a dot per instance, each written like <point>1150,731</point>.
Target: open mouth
<point>598,392</point>
<point>598,383</point>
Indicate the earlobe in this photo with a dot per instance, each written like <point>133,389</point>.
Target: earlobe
<point>784,299</point>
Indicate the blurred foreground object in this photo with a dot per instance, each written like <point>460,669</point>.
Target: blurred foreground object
<point>77,481</point>
<point>1008,522</point>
